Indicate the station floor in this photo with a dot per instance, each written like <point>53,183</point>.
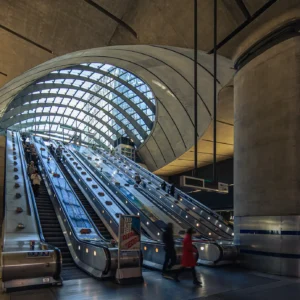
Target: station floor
<point>225,283</point>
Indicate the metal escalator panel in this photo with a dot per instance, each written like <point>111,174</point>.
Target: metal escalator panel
<point>153,249</point>
<point>172,210</point>
<point>98,198</point>
<point>201,223</point>
<point>53,234</point>
<point>126,189</point>
<point>210,252</point>
<point>95,218</point>
<point>150,223</point>
<point>88,249</point>
<point>186,201</point>
<point>38,263</point>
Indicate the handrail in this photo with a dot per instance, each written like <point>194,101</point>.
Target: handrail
<point>207,226</point>
<point>25,176</point>
<point>194,201</point>
<point>54,142</point>
<point>68,225</point>
<point>29,191</point>
<point>35,210</point>
<point>79,202</point>
<point>104,208</point>
<point>142,214</point>
<point>184,196</point>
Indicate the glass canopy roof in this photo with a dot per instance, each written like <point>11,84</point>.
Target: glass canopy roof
<point>98,102</point>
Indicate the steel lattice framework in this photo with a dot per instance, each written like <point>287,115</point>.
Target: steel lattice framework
<point>99,101</point>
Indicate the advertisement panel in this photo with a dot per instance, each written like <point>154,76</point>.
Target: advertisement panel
<point>129,233</point>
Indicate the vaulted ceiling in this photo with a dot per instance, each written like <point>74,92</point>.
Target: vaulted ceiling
<point>34,31</point>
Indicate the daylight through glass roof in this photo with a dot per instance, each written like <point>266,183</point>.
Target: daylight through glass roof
<point>99,102</point>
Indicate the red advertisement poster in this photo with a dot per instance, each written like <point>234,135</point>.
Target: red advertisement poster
<point>129,233</point>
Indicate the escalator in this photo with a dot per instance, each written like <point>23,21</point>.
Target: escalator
<point>187,203</point>
<point>212,251</point>
<point>109,202</point>
<point>97,221</point>
<point>27,259</point>
<point>54,235</point>
<point>201,219</point>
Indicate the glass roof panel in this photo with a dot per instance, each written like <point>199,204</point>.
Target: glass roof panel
<point>104,98</point>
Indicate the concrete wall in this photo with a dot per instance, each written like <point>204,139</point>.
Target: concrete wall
<point>267,138</point>
<point>266,161</point>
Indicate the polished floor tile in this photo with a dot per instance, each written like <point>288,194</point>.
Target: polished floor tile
<point>223,283</point>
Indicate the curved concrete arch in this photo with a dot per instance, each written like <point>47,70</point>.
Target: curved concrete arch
<point>19,107</point>
<point>169,74</point>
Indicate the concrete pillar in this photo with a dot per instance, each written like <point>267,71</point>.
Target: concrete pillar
<point>267,160</point>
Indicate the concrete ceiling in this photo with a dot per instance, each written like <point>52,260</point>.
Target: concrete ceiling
<point>225,139</point>
<point>34,31</point>
<point>64,26</point>
<point>167,71</point>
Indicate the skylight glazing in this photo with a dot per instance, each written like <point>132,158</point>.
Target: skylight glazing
<point>98,101</point>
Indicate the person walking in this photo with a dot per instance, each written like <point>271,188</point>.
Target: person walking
<point>188,259</point>
<point>172,189</point>
<point>170,256</point>
<point>34,156</point>
<point>24,138</point>
<point>137,179</point>
<point>52,149</point>
<point>36,181</point>
<point>31,169</point>
<point>28,153</point>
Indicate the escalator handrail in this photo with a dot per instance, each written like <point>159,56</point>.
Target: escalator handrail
<point>78,154</point>
<point>161,181</point>
<point>25,176</point>
<point>179,192</point>
<point>28,189</point>
<point>106,240</point>
<point>62,206</point>
<point>57,143</point>
<point>210,227</point>
<point>104,247</point>
<point>34,207</point>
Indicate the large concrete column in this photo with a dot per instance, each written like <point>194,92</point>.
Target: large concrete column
<point>267,160</point>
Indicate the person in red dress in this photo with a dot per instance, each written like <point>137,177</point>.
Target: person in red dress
<point>188,259</point>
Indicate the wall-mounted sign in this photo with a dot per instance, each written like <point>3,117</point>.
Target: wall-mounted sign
<point>188,181</point>
<point>223,187</point>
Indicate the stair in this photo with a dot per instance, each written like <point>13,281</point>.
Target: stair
<point>54,235</point>
<point>97,221</point>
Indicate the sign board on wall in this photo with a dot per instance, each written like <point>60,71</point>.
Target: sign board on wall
<point>223,187</point>
<point>129,233</point>
<point>188,181</point>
